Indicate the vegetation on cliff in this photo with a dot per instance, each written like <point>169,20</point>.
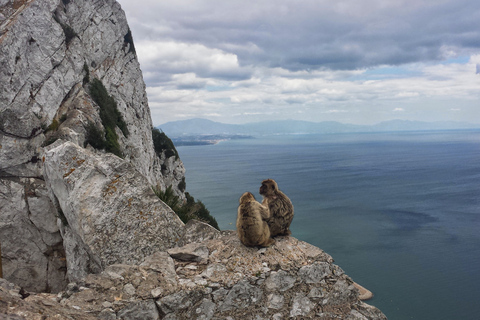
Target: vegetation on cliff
<point>111,118</point>
<point>187,211</point>
<point>163,143</point>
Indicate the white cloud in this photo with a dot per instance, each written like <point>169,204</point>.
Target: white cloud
<point>175,57</point>
<point>312,60</point>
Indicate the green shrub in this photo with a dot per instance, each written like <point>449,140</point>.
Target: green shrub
<point>188,210</point>
<point>109,113</point>
<point>168,196</point>
<point>182,185</point>
<point>53,126</point>
<point>63,118</point>
<point>94,137</point>
<point>110,116</point>
<point>163,143</point>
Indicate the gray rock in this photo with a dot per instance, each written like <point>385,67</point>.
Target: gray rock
<point>178,301</point>
<point>241,296</point>
<point>275,301</point>
<point>190,252</point>
<point>107,314</point>
<point>280,281</point>
<point>161,262</point>
<point>317,292</point>
<point>125,291</point>
<point>198,231</point>
<point>41,83</point>
<point>31,242</point>
<point>205,310</point>
<point>315,273</point>
<point>109,208</point>
<point>140,310</point>
<point>301,305</point>
<point>214,271</point>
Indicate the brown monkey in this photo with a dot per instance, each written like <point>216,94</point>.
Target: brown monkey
<point>251,227</point>
<point>280,207</point>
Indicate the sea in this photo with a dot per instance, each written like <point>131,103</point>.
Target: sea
<point>398,212</point>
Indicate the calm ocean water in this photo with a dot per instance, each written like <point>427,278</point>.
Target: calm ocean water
<point>399,212</point>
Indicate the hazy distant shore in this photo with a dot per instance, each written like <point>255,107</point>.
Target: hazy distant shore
<point>204,140</point>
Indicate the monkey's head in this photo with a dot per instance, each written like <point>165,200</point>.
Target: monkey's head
<point>246,197</point>
<point>269,187</point>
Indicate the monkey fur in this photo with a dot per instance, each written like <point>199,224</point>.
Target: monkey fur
<point>252,228</point>
<point>280,207</point>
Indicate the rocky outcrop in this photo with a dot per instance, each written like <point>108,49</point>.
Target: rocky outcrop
<point>32,246</point>
<point>107,207</point>
<point>49,51</point>
<point>290,279</point>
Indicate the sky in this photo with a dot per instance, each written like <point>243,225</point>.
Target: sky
<point>352,61</point>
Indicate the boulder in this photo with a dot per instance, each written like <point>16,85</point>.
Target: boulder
<point>108,210</point>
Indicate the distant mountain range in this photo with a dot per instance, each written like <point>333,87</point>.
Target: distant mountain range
<point>202,127</point>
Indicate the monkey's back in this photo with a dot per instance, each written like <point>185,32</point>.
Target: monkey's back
<point>281,210</point>
<point>251,229</point>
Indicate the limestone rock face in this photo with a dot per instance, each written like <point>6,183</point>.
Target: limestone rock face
<point>31,241</point>
<point>290,279</point>
<point>49,51</point>
<point>109,208</point>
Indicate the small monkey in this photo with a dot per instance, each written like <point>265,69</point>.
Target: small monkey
<point>280,207</point>
<point>251,227</point>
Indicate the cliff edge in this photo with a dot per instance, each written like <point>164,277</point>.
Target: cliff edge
<point>213,277</point>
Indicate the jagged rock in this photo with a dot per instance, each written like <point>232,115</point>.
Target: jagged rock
<point>190,252</point>
<point>32,252</point>
<point>140,310</point>
<point>109,208</point>
<point>48,48</point>
<point>233,284</point>
<point>198,231</point>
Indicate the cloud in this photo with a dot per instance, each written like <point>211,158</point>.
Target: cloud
<point>317,60</point>
<point>176,57</point>
<point>344,35</point>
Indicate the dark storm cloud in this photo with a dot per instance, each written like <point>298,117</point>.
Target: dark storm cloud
<point>305,35</point>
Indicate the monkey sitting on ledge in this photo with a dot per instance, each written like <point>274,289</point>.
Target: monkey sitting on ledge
<point>252,228</point>
<point>279,206</point>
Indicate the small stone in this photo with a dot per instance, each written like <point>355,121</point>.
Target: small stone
<point>107,314</point>
<point>191,267</point>
<point>129,289</point>
<point>301,305</point>
<point>157,292</point>
<point>48,303</point>
<point>275,301</point>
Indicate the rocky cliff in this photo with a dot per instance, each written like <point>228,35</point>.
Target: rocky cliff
<point>50,53</point>
<point>82,234</point>
<point>213,277</point>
